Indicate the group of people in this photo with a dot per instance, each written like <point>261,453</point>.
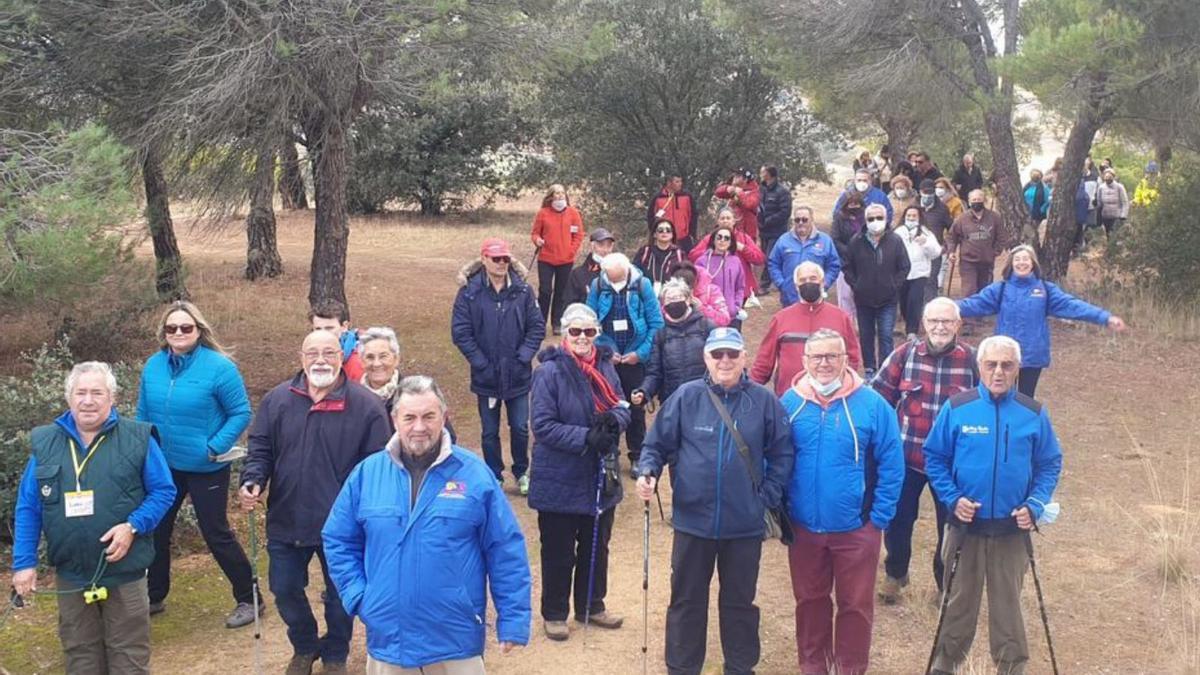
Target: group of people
<point>825,437</point>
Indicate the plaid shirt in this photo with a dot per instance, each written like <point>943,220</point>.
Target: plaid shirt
<point>917,383</point>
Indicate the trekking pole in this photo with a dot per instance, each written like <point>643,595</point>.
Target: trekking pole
<point>587,612</point>
<point>661,515</point>
<point>937,634</point>
<point>1037,585</point>
<point>254,587</point>
<point>950,276</point>
<point>645,585</point>
<point>532,260</point>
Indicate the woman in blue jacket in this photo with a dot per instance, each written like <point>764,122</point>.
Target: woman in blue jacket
<point>193,394</point>
<point>577,417</point>
<point>1024,303</point>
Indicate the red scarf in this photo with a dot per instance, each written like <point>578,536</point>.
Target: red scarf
<point>603,395</point>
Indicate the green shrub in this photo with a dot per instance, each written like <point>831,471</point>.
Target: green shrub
<point>1159,245</point>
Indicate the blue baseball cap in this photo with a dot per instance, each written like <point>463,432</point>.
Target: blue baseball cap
<point>724,338</point>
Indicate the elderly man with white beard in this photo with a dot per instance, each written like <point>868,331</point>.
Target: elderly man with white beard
<point>309,433</point>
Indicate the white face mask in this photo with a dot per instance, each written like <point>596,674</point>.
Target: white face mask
<point>598,258</point>
<point>618,287</point>
<point>912,224</point>
<point>900,193</point>
<point>861,185</point>
<point>876,226</point>
<point>559,204</point>
<point>940,192</point>
<point>825,390</point>
<point>1050,513</point>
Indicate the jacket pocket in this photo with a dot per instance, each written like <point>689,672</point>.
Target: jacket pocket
<point>48,486</point>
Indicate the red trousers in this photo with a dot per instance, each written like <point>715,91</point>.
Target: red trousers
<point>825,566</point>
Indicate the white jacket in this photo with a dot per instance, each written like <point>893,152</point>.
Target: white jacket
<point>920,256</point>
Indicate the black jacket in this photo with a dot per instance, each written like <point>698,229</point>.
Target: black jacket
<point>653,261</point>
<point>580,279</point>
<point>965,181</point>
<point>677,355</point>
<point>876,273</point>
<point>938,220</point>
<point>305,451</point>
<point>774,209</point>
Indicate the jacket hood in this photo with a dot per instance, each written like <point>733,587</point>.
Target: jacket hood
<point>556,353</point>
<point>851,382</point>
<point>635,276</point>
<point>517,271</point>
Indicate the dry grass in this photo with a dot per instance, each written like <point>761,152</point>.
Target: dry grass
<point>1169,524</point>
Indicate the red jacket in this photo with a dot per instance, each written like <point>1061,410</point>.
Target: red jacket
<point>782,350</point>
<point>563,232</point>
<point>748,252</point>
<point>678,208</point>
<point>744,205</point>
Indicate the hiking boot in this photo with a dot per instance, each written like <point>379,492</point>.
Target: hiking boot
<point>301,664</point>
<point>158,607</point>
<point>523,485</point>
<point>557,630</point>
<point>333,666</point>
<point>603,620</point>
<point>890,593</point>
<point>243,614</point>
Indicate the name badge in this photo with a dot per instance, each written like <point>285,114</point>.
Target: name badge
<point>574,229</point>
<point>81,503</point>
<point>661,213</point>
<point>620,325</point>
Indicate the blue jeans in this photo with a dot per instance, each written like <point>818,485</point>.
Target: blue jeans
<point>289,578</point>
<point>876,322</point>
<point>518,427</point>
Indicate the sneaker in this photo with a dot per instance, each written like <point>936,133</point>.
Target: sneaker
<point>243,614</point>
<point>603,620</point>
<point>523,485</point>
<point>158,607</point>
<point>557,630</point>
<point>301,664</point>
<point>890,593</point>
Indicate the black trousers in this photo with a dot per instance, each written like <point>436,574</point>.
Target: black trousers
<point>210,495</point>
<point>552,290</point>
<point>692,560</point>
<point>566,540</point>
<point>1027,380</point>
<point>898,537</point>
<point>768,242</point>
<point>912,305</point>
<point>631,377</point>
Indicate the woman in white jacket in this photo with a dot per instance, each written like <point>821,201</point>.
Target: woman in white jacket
<point>923,249</point>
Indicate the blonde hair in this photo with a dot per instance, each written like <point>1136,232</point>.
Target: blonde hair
<point>207,338</point>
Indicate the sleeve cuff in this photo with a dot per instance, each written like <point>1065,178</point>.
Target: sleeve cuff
<point>508,630</point>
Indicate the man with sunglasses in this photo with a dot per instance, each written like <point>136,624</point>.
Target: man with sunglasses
<point>718,511</point>
<point>497,326</point>
<point>993,461</point>
<point>803,243</point>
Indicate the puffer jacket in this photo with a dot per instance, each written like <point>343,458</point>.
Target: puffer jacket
<point>790,252</point>
<point>712,301</point>
<point>714,495</point>
<point>1023,306</point>
<point>1112,200</point>
<point>645,314</point>
<point>677,355</point>
<point>198,404</point>
<point>774,209</point>
<point>1000,453</point>
<point>729,274</point>
<point>564,472</point>
<point>498,333</point>
<point>849,463</point>
<point>1037,199</point>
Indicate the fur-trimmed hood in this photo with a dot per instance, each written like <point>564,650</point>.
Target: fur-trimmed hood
<point>516,271</point>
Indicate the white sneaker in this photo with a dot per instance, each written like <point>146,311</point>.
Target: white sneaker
<point>523,485</point>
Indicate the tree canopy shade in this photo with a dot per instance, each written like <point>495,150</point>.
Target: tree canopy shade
<point>660,90</point>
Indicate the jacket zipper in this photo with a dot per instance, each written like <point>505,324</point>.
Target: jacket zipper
<point>1006,444</point>
<point>720,454</point>
<point>995,458</point>
<point>820,446</point>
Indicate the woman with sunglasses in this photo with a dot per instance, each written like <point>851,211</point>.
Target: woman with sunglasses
<point>193,394</point>
<point>657,255</point>
<point>578,415</point>
<point>746,249</point>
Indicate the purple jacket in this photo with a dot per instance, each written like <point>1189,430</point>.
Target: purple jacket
<point>729,275</point>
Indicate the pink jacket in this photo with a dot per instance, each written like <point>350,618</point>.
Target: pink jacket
<point>748,252</point>
<point>712,302</point>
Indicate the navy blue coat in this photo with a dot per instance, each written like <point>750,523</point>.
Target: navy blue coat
<point>499,333</point>
<point>564,472</point>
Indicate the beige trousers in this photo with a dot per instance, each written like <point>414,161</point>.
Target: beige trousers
<point>471,666</point>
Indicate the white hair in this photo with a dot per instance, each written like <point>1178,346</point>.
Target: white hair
<point>86,367</point>
<point>675,285</point>
<point>416,385</point>
<point>875,207</point>
<point>613,260</point>
<point>943,301</point>
<point>823,334</point>
<point>578,312</point>
<point>381,333</point>
<point>804,265</point>
<point>998,342</point>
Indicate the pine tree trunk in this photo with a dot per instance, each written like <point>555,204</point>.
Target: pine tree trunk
<point>1010,202</point>
<point>332,230</point>
<point>262,247</point>
<point>291,178</point>
<point>168,264</point>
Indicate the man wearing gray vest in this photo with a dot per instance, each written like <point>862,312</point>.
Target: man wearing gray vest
<point>97,485</point>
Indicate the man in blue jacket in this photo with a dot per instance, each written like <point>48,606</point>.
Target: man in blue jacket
<point>803,243</point>
<point>417,535</point>
<point>720,496</point>
<point>870,195</point>
<point>993,460</point>
<point>309,433</point>
<point>629,316</point>
<point>498,328</point>
<point>849,467</point>
<point>96,485</point>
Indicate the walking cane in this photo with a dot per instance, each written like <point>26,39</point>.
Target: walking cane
<point>532,260</point>
<point>254,587</point>
<point>950,275</point>
<point>1037,585</point>
<point>661,515</point>
<point>587,612</point>
<point>937,635</point>
<point>645,584</point>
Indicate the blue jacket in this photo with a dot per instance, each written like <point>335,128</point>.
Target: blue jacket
<point>873,196</point>
<point>849,461</point>
<point>1023,306</point>
<point>197,402</point>
<point>1038,208</point>
<point>1083,203</point>
<point>499,333</point>
<point>714,496</point>
<point>645,315</point>
<point>563,474</point>
<point>156,479</point>
<point>1003,454</point>
<point>789,252</point>
<point>417,574</point>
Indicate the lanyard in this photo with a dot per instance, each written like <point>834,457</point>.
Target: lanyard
<point>79,466</point>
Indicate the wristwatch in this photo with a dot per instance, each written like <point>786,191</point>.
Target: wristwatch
<point>132,529</point>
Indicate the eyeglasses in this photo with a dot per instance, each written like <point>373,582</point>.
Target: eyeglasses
<point>721,354</point>
<point>576,332</point>
<point>722,237</point>
<point>185,329</point>
<point>664,230</point>
<point>824,358</point>
<point>1006,366</point>
<point>941,322</point>
<point>326,354</point>
<point>876,219</point>
<point>501,259</point>
<point>800,219</point>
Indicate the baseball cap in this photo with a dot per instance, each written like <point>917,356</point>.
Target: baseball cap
<point>928,184</point>
<point>724,338</point>
<point>495,247</point>
<point>601,234</point>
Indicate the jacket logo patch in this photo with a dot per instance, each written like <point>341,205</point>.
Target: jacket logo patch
<point>454,490</point>
<point>980,429</point>
<point>705,429</point>
<point>1037,293</point>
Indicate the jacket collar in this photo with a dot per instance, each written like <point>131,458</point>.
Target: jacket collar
<point>444,451</point>
<point>66,422</point>
<point>741,385</point>
<point>177,363</point>
<point>851,382</point>
<point>986,393</point>
<point>334,401</point>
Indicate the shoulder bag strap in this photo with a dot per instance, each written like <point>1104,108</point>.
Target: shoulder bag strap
<point>743,449</point>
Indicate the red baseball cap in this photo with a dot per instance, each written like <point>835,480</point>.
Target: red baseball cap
<point>495,247</point>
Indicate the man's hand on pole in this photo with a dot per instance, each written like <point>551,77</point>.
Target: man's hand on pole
<point>645,487</point>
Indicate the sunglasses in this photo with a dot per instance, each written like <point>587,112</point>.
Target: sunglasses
<point>1006,366</point>
<point>576,332</point>
<point>800,219</point>
<point>184,329</point>
<point>875,219</point>
<point>722,354</point>
<point>722,237</point>
<point>664,230</point>
<point>501,259</point>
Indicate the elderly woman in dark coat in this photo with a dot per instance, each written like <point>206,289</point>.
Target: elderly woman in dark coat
<point>578,414</point>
